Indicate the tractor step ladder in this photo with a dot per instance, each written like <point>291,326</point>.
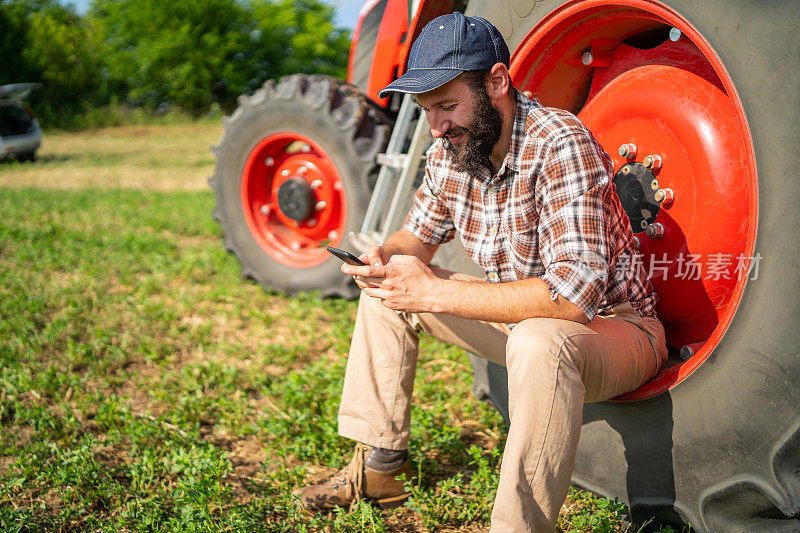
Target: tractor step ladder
<point>398,170</point>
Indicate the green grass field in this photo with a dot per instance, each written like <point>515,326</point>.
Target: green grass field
<point>144,386</point>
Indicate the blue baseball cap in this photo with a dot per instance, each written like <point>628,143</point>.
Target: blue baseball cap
<point>447,46</point>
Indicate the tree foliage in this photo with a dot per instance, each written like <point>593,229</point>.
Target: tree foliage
<point>160,54</point>
<point>299,36</point>
<point>50,44</point>
<point>187,54</point>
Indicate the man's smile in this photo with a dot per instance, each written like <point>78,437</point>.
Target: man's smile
<point>456,135</point>
<point>455,139</point>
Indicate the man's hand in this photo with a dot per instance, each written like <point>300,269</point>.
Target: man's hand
<point>375,256</point>
<point>403,283</point>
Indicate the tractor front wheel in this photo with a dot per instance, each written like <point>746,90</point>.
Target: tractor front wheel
<point>295,168</point>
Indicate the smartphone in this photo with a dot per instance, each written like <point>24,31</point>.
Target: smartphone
<point>347,257</point>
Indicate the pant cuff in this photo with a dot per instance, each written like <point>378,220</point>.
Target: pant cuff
<point>389,443</point>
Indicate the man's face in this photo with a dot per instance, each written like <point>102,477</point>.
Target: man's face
<point>463,115</point>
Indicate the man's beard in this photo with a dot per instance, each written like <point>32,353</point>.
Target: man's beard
<point>482,133</point>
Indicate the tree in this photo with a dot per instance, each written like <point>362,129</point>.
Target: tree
<point>161,54</point>
<point>299,36</point>
<point>193,53</point>
<point>50,44</point>
<point>13,36</point>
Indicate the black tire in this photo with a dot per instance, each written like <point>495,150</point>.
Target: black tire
<point>348,127</point>
<point>26,156</point>
<point>721,449</point>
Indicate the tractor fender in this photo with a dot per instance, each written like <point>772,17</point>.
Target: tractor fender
<point>382,41</point>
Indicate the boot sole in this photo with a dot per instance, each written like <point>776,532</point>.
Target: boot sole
<point>393,502</point>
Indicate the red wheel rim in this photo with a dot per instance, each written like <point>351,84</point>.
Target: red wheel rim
<point>275,159</point>
<point>670,97</point>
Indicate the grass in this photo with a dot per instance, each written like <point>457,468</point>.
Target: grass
<point>144,386</point>
<point>153,157</point>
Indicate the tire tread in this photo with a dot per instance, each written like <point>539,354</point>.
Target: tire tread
<point>355,118</point>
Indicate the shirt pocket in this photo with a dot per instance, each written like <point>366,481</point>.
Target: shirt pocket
<point>519,222</point>
<point>522,250</point>
<point>520,234</point>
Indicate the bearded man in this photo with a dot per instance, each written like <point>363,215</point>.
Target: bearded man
<point>530,193</point>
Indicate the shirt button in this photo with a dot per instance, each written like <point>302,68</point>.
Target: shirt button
<point>492,276</point>
<point>495,229</point>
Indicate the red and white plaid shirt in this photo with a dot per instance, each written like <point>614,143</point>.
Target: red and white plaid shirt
<point>549,212</point>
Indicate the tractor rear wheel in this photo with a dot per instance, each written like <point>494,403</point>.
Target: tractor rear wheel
<point>710,88</point>
<point>295,169</point>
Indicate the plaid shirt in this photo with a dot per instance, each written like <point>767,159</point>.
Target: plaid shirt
<point>549,212</point>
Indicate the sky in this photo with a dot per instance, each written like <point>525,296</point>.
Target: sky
<point>346,10</point>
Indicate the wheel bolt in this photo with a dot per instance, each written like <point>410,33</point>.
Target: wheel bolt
<point>322,204</point>
<point>654,185</point>
<point>636,242</point>
<point>654,231</point>
<point>652,162</point>
<point>675,35</point>
<point>305,148</point>
<point>337,186</point>
<point>596,58</point>
<point>295,245</point>
<point>628,150</point>
<point>690,349</point>
<point>665,196</point>
<point>269,161</point>
<point>265,209</point>
<point>285,173</point>
<point>312,222</point>
<point>302,171</point>
<point>332,235</point>
<point>316,184</point>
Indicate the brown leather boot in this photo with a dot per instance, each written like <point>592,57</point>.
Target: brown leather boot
<point>354,482</point>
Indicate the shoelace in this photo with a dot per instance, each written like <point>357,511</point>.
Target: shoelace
<point>355,475</point>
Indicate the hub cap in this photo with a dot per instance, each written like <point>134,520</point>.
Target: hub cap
<point>294,199</point>
<point>634,188</point>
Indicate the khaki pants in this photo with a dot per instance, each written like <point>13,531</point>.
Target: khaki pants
<point>554,366</point>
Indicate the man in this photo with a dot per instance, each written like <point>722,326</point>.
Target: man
<point>529,191</point>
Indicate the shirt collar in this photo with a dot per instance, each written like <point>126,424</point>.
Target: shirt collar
<point>514,155</point>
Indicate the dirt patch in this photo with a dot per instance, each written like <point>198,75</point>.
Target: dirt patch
<point>246,455</point>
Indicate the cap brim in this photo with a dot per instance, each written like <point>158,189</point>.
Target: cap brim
<point>417,81</point>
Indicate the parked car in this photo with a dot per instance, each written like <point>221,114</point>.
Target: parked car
<point>20,135</point>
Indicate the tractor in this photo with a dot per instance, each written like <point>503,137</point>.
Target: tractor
<point>697,102</point>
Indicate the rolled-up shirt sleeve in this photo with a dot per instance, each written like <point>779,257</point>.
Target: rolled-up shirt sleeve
<point>429,218</point>
<point>572,191</point>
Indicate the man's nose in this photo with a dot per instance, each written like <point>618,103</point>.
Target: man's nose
<point>438,125</point>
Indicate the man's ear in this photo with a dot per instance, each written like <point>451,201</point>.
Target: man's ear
<point>498,83</point>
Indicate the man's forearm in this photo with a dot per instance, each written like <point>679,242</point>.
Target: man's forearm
<point>503,302</point>
<point>403,242</point>
<point>404,282</point>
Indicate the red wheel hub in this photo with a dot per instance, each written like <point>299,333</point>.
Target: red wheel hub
<point>613,64</point>
<point>295,240</point>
